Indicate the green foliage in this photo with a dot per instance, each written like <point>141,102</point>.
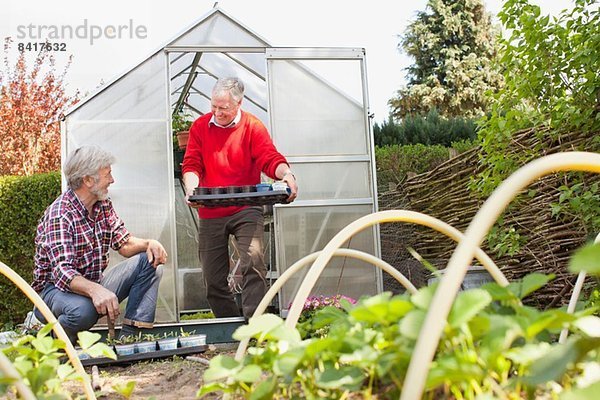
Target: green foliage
<point>550,68</point>
<point>181,122</point>
<point>551,81</point>
<point>492,345</point>
<point>579,201</point>
<point>395,162</point>
<point>430,128</point>
<point>453,45</point>
<point>125,390</point>
<point>22,202</point>
<point>586,259</point>
<point>198,315</point>
<point>39,360</point>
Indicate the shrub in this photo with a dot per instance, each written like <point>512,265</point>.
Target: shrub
<point>395,162</point>
<point>430,129</point>
<point>22,202</point>
<point>493,346</point>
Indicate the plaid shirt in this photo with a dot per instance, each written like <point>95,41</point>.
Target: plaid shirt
<point>71,242</point>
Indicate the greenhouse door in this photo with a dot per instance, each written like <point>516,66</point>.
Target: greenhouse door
<point>318,112</point>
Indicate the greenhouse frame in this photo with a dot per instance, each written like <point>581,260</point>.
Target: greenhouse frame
<point>314,103</point>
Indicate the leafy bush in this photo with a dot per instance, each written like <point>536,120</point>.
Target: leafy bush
<point>22,202</point>
<point>312,305</point>
<point>40,361</point>
<point>429,129</point>
<point>395,162</point>
<point>492,344</point>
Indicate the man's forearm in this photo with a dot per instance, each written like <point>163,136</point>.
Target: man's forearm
<point>83,286</point>
<point>133,246</point>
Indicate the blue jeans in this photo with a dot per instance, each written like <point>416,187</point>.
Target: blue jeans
<point>135,278</point>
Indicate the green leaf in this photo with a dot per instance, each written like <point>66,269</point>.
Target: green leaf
<point>326,316</point>
<point>101,350</point>
<point>86,339</point>
<point>467,305</point>
<point>528,353</point>
<point>213,387</point>
<point>44,344</point>
<point>498,293</point>
<point>286,363</point>
<point>249,373</point>
<point>46,329</point>
<point>346,377</point>
<point>282,333</point>
<point>586,259</point>
<point>221,367</point>
<point>410,326</point>
<point>591,392</point>
<point>529,284</point>
<point>554,364</point>
<point>125,390</point>
<point>264,390</point>
<point>64,371</point>
<point>258,326</point>
<point>589,325</point>
<point>37,377</point>
<point>317,346</point>
<point>423,297</point>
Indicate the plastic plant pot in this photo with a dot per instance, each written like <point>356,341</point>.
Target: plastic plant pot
<point>145,347</point>
<point>125,349</point>
<point>192,340</point>
<point>263,187</point>
<point>167,343</point>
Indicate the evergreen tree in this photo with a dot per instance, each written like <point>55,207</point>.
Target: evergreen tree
<point>453,45</point>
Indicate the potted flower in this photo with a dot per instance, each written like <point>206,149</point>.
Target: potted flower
<point>181,124</point>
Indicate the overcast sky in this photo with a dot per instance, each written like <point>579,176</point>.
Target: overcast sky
<point>373,25</point>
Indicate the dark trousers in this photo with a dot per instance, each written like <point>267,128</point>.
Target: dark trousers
<point>213,234</point>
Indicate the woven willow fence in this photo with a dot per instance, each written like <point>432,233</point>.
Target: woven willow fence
<point>444,194</point>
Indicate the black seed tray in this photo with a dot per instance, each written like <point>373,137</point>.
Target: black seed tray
<point>241,199</point>
<point>151,355</point>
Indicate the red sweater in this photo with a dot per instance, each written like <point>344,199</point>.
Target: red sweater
<point>230,157</point>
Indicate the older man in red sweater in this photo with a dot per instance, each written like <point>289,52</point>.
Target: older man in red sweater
<point>231,147</point>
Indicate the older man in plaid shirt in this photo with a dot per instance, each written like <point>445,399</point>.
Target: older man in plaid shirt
<point>72,252</point>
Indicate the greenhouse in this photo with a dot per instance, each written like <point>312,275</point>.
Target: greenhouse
<point>314,101</point>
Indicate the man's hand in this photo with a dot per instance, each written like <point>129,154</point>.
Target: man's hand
<point>291,182</point>
<point>156,253</point>
<point>105,301</point>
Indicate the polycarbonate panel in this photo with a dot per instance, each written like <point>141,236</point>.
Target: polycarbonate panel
<point>311,116</point>
<point>218,29</point>
<point>140,94</point>
<point>333,180</point>
<point>304,230</point>
<point>217,64</point>
<point>140,193</point>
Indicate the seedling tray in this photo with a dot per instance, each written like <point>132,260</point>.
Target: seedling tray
<point>151,355</point>
<point>241,199</point>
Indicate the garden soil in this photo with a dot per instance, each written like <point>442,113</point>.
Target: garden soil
<point>167,379</point>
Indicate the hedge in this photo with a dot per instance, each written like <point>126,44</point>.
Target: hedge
<point>23,200</point>
<point>429,129</point>
<point>395,162</point>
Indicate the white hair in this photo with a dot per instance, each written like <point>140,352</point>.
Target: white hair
<point>85,161</point>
